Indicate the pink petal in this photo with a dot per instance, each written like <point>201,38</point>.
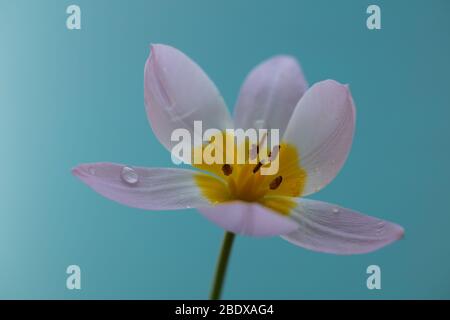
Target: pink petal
<point>328,228</point>
<point>322,127</point>
<point>269,94</point>
<point>248,218</point>
<point>177,92</point>
<point>144,188</point>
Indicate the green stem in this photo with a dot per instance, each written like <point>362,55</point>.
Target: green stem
<point>221,267</point>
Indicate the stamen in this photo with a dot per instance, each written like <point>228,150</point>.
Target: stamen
<point>268,160</point>
<point>255,148</point>
<point>273,154</point>
<point>258,166</point>
<point>227,169</point>
<point>275,183</point>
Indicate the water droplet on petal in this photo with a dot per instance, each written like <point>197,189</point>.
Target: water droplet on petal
<point>91,171</point>
<point>129,175</point>
<point>335,210</point>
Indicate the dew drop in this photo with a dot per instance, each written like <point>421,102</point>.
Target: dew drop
<point>335,210</point>
<point>91,171</point>
<point>129,175</point>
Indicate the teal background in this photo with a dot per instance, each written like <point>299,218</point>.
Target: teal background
<point>68,97</point>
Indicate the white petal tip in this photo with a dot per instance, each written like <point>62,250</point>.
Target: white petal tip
<point>78,171</point>
<point>155,48</point>
<point>75,171</point>
<point>84,171</point>
<point>284,58</point>
<point>400,232</point>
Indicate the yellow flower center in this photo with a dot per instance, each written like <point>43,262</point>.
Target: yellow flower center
<point>246,181</point>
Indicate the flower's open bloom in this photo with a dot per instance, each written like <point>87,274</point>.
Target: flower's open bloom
<point>316,125</point>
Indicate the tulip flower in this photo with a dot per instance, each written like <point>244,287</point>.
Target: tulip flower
<point>316,125</point>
